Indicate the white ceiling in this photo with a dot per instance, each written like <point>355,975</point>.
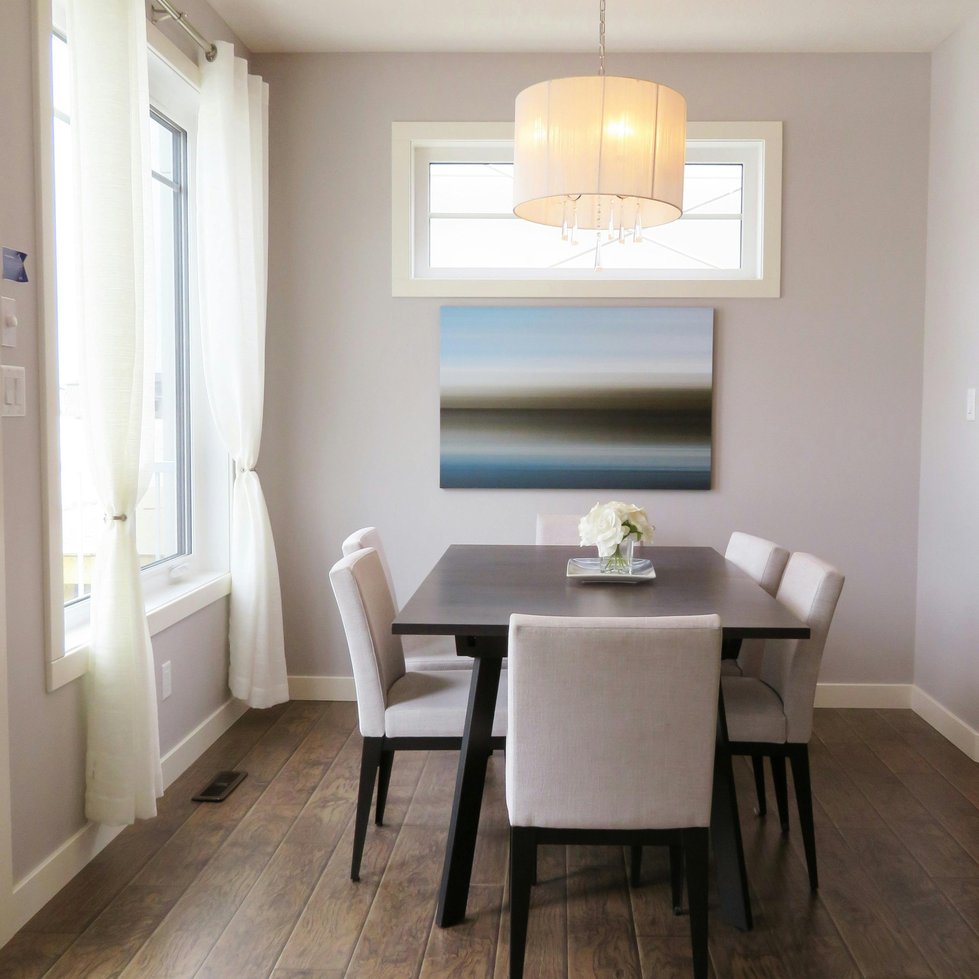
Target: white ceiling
<point>572,25</point>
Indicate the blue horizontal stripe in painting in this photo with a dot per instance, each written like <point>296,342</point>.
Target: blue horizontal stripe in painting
<point>576,449</point>
<point>458,474</point>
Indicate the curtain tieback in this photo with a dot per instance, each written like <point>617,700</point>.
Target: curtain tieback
<point>115,516</point>
<point>242,470</point>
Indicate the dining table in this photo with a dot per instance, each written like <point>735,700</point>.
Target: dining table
<point>472,591</point>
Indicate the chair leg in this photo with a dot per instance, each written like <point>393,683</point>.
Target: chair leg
<point>523,860</point>
<point>695,857</point>
<point>676,877</point>
<point>758,765</point>
<point>635,865</point>
<point>383,780</point>
<point>781,790</point>
<point>369,761</point>
<point>799,757</point>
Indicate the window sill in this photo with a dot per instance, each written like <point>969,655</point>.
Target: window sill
<point>189,596</point>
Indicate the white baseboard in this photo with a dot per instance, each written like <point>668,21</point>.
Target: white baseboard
<point>322,688</point>
<point>964,737</point>
<point>48,877</point>
<point>873,695</point>
<point>33,891</point>
<point>183,754</point>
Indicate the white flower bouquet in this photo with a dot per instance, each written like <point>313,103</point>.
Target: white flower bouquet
<point>614,528</point>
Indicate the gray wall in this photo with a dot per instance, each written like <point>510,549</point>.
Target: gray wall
<point>818,394</point>
<point>946,650</point>
<point>47,729</point>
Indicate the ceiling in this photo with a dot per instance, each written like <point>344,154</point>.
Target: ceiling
<point>572,25</point>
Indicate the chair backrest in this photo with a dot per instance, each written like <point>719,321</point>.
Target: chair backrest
<point>810,589</point>
<point>557,528</point>
<point>760,559</point>
<point>611,721</point>
<point>369,537</point>
<point>376,655</point>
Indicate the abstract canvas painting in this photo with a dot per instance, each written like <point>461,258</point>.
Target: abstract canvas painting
<point>576,397</point>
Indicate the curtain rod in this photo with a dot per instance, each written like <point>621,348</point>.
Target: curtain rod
<point>167,10</point>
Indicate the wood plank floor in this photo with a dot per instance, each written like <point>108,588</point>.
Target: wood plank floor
<point>257,886</point>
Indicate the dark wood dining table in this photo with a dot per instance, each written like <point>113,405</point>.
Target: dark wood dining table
<point>471,593</point>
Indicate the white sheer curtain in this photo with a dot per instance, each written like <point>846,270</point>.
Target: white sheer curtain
<point>232,233</point>
<point>110,133</point>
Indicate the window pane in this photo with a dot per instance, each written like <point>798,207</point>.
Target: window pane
<point>712,188</point>
<point>162,519</point>
<point>157,530</point>
<point>60,80</point>
<point>508,243</point>
<point>161,149</point>
<point>471,188</point>
<point>484,242</point>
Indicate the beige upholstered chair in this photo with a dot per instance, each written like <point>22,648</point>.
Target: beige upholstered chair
<point>626,758</point>
<point>557,528</point>
<point>421,652</point>
<point>771,714</point>
<point>397,710</point>
<point>763,561</point>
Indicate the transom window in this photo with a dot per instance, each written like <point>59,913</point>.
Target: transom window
<point>456,234</point>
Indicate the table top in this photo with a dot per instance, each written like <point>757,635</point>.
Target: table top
<point>474,588</point>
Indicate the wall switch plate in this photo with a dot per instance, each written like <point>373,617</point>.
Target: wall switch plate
<point>970,405</point>
<point>166,681</point>
<point>8,322</point>
<point>13,397</point>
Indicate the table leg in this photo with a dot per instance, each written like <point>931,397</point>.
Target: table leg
<point>725,833</point>
<point>470,779</point>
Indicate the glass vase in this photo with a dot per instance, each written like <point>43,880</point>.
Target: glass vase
<point>620,560</point>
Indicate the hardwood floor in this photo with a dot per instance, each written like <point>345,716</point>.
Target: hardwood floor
<point>257,886</point>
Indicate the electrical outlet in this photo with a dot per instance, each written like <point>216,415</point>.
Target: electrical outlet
<point>166,681</point>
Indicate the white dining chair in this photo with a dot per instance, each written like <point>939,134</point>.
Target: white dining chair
<point>421,652</point>
<point>397,710</point>
<point>558,528</point>
<point>764,562</point>
<point>625,759</point>
<point>771,715</point>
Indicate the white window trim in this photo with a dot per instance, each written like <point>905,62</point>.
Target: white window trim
<point>407,137</point>
<point>171,594</point>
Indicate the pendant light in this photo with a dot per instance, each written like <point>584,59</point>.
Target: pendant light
<point>599,152</point>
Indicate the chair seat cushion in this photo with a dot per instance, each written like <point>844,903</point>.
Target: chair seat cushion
<point>754,711</point>
<point>432,704</point>
<point>729,667</point>
<point>433,653</point>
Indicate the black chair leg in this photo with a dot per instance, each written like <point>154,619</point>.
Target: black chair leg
<point>758,765</point>
<point>676,877</point>
<point>635,865</point>
<point>781,790</point>
<point>383,780</point>
<point>369,761</point>
<point>523,860</point>
<point>799,757</point>
<point>695,857</point>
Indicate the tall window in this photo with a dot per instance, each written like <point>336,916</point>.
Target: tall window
<point>163,517</point>
<point>182,522</point>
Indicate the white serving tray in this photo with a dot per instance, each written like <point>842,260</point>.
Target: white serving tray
<point>586,569</point>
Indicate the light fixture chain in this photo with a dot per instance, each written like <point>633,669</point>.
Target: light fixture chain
<point>601,37</point>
